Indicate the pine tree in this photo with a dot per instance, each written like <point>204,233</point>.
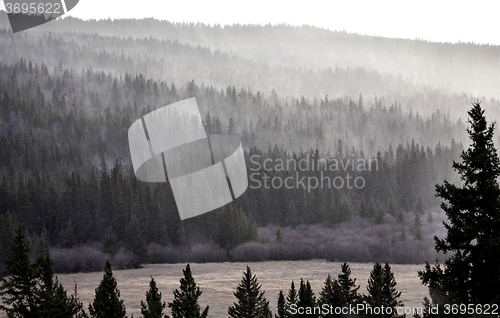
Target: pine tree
<point>419,206</point>
<point>292,298</point>
<point>281,307</point>
<point>471,274</point>
<point>330,295</point>
<point>417,225</point>
<point>19,291</point>
<point>279,237</point>
<point>153,307</point>
<point>7,233</point>
<point>107,303</point>
<point>185,303</point>
<point>382,290</point>
<point>348,290</point>
<point>134,241</point>
<point>251,301</point>
<point>430,219</point>
<point>375,287</point>
<point>306,298</point>
<point>32,290</point>
<point>390,292</point>
<point>54,302</point>
<point>403,234</point>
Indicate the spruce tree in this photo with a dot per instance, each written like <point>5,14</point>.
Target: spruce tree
<point>18,292</point>
<point>292,298</point>
<point>134,241</point>
<point>153,307</point>
<point>7,232</point>
<point>107,303</point>
<point>471,274</point>
<point>54,302</point>
<point>281,307</point>
<point>347,285</point>
<point>375,287</point>
<point>382,290</point>
<point>391,294</point>
<point>306,299</point>
<point>330,295</point>
<point>251,301</point>
<point>417,225</point>
<point>32,290</point>
<point>185,303</point>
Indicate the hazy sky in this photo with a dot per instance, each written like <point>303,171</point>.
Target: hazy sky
<point>449,21</point>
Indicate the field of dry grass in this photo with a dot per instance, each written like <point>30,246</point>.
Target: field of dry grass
<point>219,280</point>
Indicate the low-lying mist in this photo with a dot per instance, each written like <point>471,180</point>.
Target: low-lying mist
<point>356,240</point>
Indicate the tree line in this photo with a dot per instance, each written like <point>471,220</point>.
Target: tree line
<point>469,276</point>
<point>65,168</point>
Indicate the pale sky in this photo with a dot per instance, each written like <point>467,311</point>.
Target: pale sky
<point>439,21</point>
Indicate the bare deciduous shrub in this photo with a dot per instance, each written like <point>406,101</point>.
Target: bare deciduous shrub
<point>207,253</point>
<point>249,252</point>
<point>125,259</point>
<point>164,254</point>
<point>79,259</point>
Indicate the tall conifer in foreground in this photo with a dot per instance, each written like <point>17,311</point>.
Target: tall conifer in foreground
<point>306,298</point>
<point>382,290</point>
<point>330,295</point>
<point>54,300</point>
<point>185,303</point>
<point>347,285</point>
<point>19,291</point>
<point>153,307</point>
<point>292,297</point>
<point>251,301</point>
<point>107,303</point>
<point>470,275</point>
<point>32,290</point>
<point>281,307</point>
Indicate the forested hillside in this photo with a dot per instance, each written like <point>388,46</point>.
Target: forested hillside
<point>67,100</point>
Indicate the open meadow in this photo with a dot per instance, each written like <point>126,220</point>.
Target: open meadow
<point>218,281</point>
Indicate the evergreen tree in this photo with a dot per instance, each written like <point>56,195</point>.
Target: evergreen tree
<point>471,275</point>
<point>419,206</point>
<point>330,295</point>
<point>107,303</point>
<point>19,291</point>
<point>417,225</point>
<point>54,302</point>
<point>382,290</point>
<point>390,292</point>
<point>32,290</point>
<point>279,237</point>
<point>251,301</point>
<point>347,285</point>
<point>185,303</point>
<point>430,219</point>
<point>134,241</point>
<point>153,307</point>
<point>281,307</point>
<point>306,299</point>
<point>7,233</point>
<point>292,298</point>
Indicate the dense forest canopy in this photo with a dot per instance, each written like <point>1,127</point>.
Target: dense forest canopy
<point>70,90</point>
